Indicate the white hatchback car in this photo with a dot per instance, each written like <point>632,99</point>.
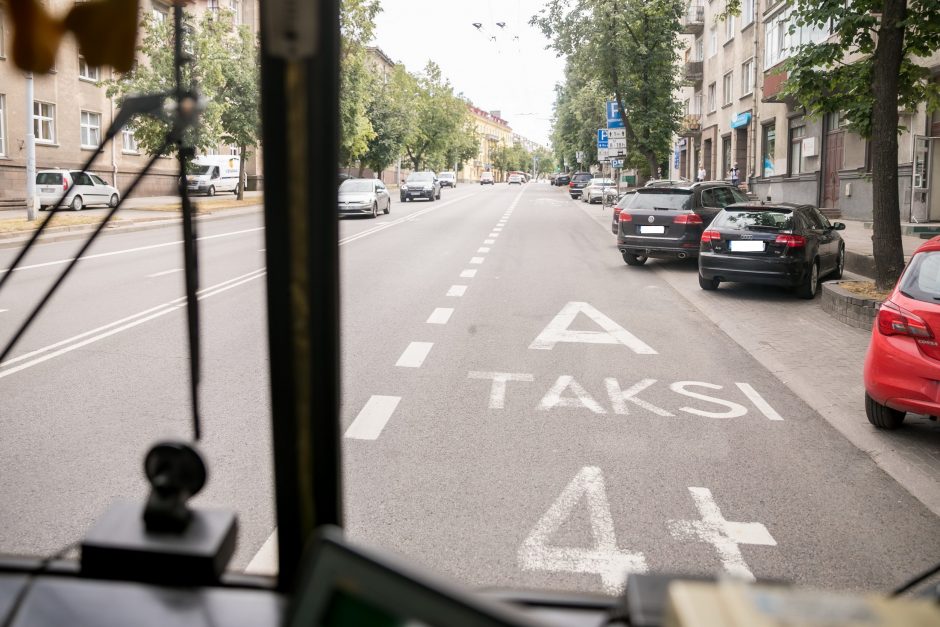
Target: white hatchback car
<point>81,189</point>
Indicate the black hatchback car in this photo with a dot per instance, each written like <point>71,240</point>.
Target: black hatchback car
<point>561,179</point>
<point>776,244</point>
<point>578,182</point>
<point>667,220</point>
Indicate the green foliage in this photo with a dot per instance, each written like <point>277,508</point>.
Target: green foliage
<point>579,112</point>
<point>357,25</point>
<point>392,118</point>
<point>440,117</point>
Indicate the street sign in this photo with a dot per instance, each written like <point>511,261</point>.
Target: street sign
<point>603,154</point>
<point>613,115</point>
<point>602,138</point>
<point>617,133</point>
<point>616,164</point>
<point>617,144</point>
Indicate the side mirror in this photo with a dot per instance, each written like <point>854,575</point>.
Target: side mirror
<point>838,226</point>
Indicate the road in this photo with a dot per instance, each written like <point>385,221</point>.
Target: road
<point>520,408</point>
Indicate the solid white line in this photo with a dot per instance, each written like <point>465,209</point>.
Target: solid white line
<point>131,250</point>
<point>476,259</point>
<point>457,290</point>
<point>164,273</point>
<point>265,560</point>
<point>489,241</point>
<point>372,418</point>
<point>440,315</point>
<point>468,274</point>
<point>483,249</point>
<point>759,401</point>
<point>414,355</point>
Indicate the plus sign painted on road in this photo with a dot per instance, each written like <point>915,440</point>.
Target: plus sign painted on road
<point>724,535</point>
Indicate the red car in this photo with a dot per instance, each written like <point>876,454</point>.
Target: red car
<point>902,368</point>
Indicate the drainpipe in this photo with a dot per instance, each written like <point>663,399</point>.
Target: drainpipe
<point>114,170</point>
<point>758,96</point>
<point>31,198</point>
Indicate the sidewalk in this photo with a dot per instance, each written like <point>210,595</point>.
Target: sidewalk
<point>858,247</point>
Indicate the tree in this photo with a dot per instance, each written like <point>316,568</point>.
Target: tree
<point>544,161</point>
<point>392,117</point>
<point>357,25</point>
<point>579,112</point>
<point>866,73</point>
<point>439,115</point>
<point>629,47</point>
<point>464,144</point>
<point>241,98</point>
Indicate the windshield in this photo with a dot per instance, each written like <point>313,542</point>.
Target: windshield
<point>534,392</point>
<point>921,280</point>
<point>49,178</point>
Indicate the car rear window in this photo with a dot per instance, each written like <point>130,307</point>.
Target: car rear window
<point>750,219</point>
<point>672,199</point>
<point>921,281</point>
<point>582,177</point>
<point>48,178</point>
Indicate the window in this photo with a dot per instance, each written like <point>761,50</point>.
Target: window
<point>3,128</point>
<point>236,11</point>
<point>85,71</point>
<point>729,28</point>
<point>712,41</point>
<point>725,155</point>
<point>160,12</point>
<point>747,77</point>
<point>747,12</point>
<point>44,122</point>
<point>727,88</point>
<point>2,40</point>
<point>213,7</point>
<point>711,97</point>
<point>129,141</point>
<point>770,144</point>
<point>98,180</point>
<point>91,129</point>
<point>233,151</point>
<point>795,165</point>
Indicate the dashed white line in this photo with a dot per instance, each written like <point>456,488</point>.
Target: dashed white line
<point>476,259</point>
<point>493,235</point>
<point>6,310</point>
<point>483,249</point>
<point>414,355</point>
<point>164,273</point>
<point>440,315</point>
<point>498,229</point>
<point>457,290</point>
<point>468,274</point>
<point>489,241</point>
<point>372,418</point>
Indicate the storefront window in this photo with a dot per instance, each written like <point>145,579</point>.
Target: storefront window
<point>770,144</point>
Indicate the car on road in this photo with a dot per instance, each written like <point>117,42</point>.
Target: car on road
<point>597,189</point>
<point>667,182</point>
<point>448,179</point>
<point>364,197</point>
<point>667,221</point>
<point>561,179</point>
<point>579,180</point>
<point>622,202</point>
<point>516,179</point>
<point>902,365</point>
<point>82,189</point>
<point>421,185</point>
<point>773,244</point>
<point>487,179</point>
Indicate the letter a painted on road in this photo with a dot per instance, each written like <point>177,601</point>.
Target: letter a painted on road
<point>558,331</point>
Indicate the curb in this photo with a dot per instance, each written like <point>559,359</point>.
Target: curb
<point>848,308</point>
<point>78,232</point>
<point>860,263</point>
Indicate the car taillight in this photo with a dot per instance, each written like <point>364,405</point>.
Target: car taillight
<point>791,241</point>
<point>625,217</point>
<point>711,236</point>
<point>571,184</point>
<point>65,185</point>
<point>688,218</point>
<point>895,320</point>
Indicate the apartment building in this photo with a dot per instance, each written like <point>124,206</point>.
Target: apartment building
<point>71,112</point>
<point>494,132</point>
<point>734,113</point>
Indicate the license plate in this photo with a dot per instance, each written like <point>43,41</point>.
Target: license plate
<point>740,246</point>
<point>653,229</point>
<point>48,190</point>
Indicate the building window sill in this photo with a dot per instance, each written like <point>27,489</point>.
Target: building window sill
<point>726,105</point>
<point>130,152</point>
<point>747,26</point>
<point>728,42</point>
<point>747,95</point>
<point>46,143</point>
<point>85,79</point>
<point>91,149</point>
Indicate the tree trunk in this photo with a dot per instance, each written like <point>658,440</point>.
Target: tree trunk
<point>242,159</point>
<point>886,211</point>
<point>362,169</point>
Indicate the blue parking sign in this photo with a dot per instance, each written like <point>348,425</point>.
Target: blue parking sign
<point>613,115</point>
<point>602,138</point>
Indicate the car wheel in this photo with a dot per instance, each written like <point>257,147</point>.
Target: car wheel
<point>840,264</point>
<point>375,210</point>
<point>882,416</point>
<point>77,203</point>
<point>708,284</point>
<point>634,260</point>
<point>388,206</point>
<point>114,201</point>
<point>573,197</point>
<point>211,191</point>
<point>811,283</point>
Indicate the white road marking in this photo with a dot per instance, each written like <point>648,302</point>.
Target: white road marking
<point>265,560</point>
<point>554,399</point>
<point>489,241</point>
<point>164,273</point>
<point>117,326</point>
<point>619,399</point>
<point>4,310</point>
<point>759,401</point>
<point>468,274</point>
<point>414,355</point>
<point>724,535</point>
<point>476,259</point>
<point>391,223</point>
<point>557,331</point>
<point>734,410</point>
<point>498,389</point>
<point>372,418</point>
<point>262,250</point>
<point>497,229</point>
<point>457,290</point>
<point>440,315</point>
<point>483,249</point>
<point>604,558</point>
<point>130,250</point>
<point>493,235</point>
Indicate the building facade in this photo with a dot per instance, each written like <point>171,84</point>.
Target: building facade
<point>494,133</point>
<point>71,112</point>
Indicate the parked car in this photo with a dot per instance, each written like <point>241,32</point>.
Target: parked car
<point>487,179</point>
<point>667,182</point>
<point>421,185</point>
<point>773,244</point>
<point>662,221</point>
<point>578,182</point>
<point>561,179</point>
<point>210,174</point>
<point>448,179</point>
<point>902,366</point>
<point>364,196</point>
<point>622,202</point>
<point>595,191</point>
<point>83,189</point>
<point>516,179</point>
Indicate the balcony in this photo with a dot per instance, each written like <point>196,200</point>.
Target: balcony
<point>690,125</point>
<point>692,72</point>
<point>693,20</point>
<point>773,83</point>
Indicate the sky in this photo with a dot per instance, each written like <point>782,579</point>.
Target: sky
<point>514,74</point>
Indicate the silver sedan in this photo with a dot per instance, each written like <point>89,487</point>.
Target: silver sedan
<point>364,197</point>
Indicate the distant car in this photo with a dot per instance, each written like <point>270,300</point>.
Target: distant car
<point>364,196</point>
<point>561,179</point>
<point>578,182</point>
<point>516,179</point>
<point>774,244</point>
<point>902,366</point>
<point>668,221</point>
<point>448,179</point>
<point>667,182</point>
<point>421,185</point>
<point>596,190</point>
<point>487,179</point>
<point>81,189</point>
<point>622,202</point>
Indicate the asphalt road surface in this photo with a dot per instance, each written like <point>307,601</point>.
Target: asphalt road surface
<point>520,408</point>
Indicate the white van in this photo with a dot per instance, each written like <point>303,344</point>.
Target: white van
<point>210,174</point>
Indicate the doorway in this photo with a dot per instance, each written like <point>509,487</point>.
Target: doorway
<point>707,159</point>
<point>834,154</point>
<point>725,157</point>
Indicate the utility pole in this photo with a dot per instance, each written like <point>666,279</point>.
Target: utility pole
<point>30,152</point>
